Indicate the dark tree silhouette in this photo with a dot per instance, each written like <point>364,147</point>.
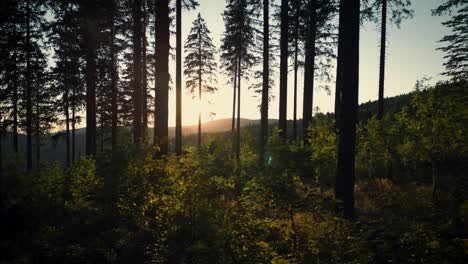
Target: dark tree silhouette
<point>456,49</point>
<point>309,67</point>
<point>137,15</point>
<point>200,65</point>
<point>162,24</point>
<point>283,95</point>
<point>348,58</point>
<point>399,10</point>
<point>265,80</point>
<point>89,26</point>
<point>237,44</point>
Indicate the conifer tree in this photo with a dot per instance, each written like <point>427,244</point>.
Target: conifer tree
<point>200,65</point>
<point>456,49</point>
<point>283,90</point>
<point>162,24</point>
<point>237,47</point>
<point>399,10</point>
<point>348,58</point>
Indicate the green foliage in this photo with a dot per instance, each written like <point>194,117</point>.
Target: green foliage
<point>205,207</point>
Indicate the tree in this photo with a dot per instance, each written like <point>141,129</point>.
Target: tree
<point>309,67</point>
<point>399,10</point>
<point>66,75</point>
<point>237,44</point>
<point>162,24</point>
<point>265,80</point>
<point>137,71</point>
<point>348,58</point>
<point>178,134</point>
<point>456,65</point>
<point>200,65</point>
<point>89,26</point>
<point>283,97</point>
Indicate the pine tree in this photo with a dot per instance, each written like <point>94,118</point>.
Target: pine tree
<point>399,10</point>
<point>200,65</point>
<point>162,24</point>
<point>348,58</point>
<point>309,67</point>
<point>456,49</point>
<point>189,4</point>
<point>265,80</point>
<point>63,36</point>
<point>283,96</point>
<point>89,14</point>
<point>237,47</point>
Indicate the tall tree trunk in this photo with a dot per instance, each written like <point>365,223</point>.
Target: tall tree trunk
<point>137,33</point>
<point>15,105</point>
<point>144,88</point>
<point>339,73</point>
<point>178,132</point>
<point>113,82</point>
<point>283,97</point>
<point>199,87</point>
<point>87,12</point>
<point>239,75</point>
<point>296,47</point>
<point>266,80</point>
<point>38,136</point>
<point>67,119</point>
<point>383,43</point>
<point>73,121</point>
<point>349,59</point>
<point>309,70</point>
<point>234,101</point>
<point>102,129</point>
<point>28,89</point>
<point>162,78</point>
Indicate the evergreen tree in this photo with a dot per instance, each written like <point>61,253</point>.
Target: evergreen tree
<point>265,80</point>
<point>237,47</point>
<point>189,4</point>
<point>283,96</point>
<point>89,15</point>
<point>64,37</point>
<point>399,10</point>
<point>200,65</point>
<point>348,58</point>
<point>456,65</point>
<point>162,24</point>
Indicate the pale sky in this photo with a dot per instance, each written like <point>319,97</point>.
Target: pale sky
<point>411,55</point>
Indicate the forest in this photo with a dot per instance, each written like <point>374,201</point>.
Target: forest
<point>92,171</point>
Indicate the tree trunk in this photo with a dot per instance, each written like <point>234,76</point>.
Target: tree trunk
<point>239,75</point>
<point>15,106</point>
<point>137,36</point>
<point>309,70</point>
<point>349,59</point>
<point>283,97</point>
<point>162,78</point>
<point>89,40</point>
<point>73,145</point>
<point>144,88</point>
<point>266,80</point>
<point>234,101</point>
<point>383,44</point>
<point>296,47</point>
<point>28,89</point>
<point>67,119</point>
<point>113,83</point>
<point>178,132</point>
<point>339,73</point>
<point>199,87</point>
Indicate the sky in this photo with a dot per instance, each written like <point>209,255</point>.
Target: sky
<point>411,55</point>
